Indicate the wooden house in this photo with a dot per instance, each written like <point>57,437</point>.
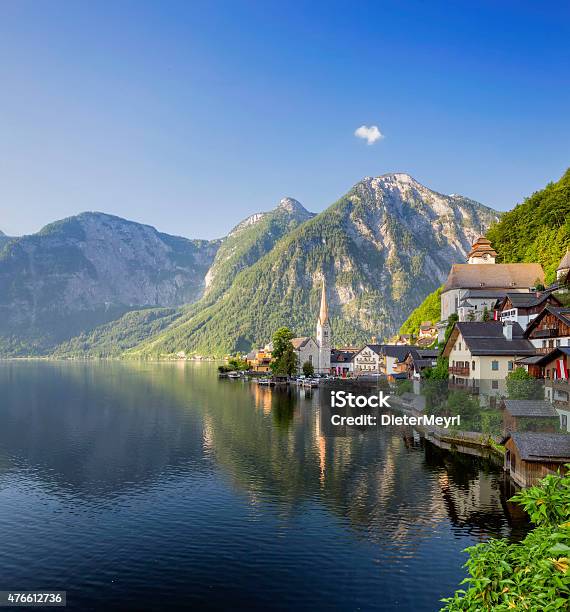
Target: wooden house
<point>418,360</point>
<point>530,456</point>
<point>550,329</point>
<point>528,415</point>
<point>522,308</point>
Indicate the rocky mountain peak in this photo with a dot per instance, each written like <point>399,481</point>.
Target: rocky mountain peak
<point>292,206</point>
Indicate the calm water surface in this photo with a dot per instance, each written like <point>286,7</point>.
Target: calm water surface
<point>157,486</point>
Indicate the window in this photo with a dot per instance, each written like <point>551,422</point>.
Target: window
<point>473,366</point>
<point>564,421</point>
<point>310,359</point>
<point>510,366</point>
<point>494,384</point>
<point>544,344</point>
<point>495,365</point>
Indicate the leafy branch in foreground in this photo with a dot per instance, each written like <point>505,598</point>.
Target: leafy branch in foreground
<point>533,574</point>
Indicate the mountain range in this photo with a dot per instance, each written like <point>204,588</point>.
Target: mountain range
<point>95,284</point>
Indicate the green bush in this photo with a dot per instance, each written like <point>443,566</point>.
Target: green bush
<point>530,575</point>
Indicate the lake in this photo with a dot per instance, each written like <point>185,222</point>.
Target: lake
<point>152,486</point>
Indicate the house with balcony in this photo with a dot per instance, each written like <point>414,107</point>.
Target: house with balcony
<point>522,308</point>
<point>550,329</point>
<point>259,360</point>
<point>481,355</point>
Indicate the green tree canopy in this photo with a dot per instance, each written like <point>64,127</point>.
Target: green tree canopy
<point>533,574</point>
<point>308,369</point>
<point>521,385</point>
<point>281,339</point>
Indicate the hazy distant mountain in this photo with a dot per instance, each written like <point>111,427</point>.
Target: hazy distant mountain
<point>382,247</point>
<point>85,270</point>
<point>4,240</point>
<point>245,244</point>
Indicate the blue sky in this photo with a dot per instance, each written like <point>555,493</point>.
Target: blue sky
<point>191,115</point>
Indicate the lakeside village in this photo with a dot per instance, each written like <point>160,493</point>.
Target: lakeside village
<point>499,357</point>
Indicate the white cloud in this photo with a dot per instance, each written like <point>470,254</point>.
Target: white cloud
<point>369,133</point>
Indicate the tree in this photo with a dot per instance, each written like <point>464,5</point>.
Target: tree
<point>486,316</point>
<point>451,321</point>
<point>308,369</point>
<point>287,364</point>
<point>237,363</point>
<point>281,339</point>
<point>521,385</point>
<point>440,371</point>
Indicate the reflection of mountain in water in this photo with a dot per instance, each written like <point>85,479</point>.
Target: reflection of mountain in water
<point>100,430</point>
<point>94,429</point>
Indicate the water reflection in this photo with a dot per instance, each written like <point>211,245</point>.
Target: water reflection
<point>125,460</point>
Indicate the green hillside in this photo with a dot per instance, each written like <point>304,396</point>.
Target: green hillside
<point>373,247</point>
<point>112,339</point>
<point>537,230</point>
<point>428,310</point>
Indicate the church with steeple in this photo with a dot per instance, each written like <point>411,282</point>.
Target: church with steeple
<point>317,351</point>
<point>324,335</point>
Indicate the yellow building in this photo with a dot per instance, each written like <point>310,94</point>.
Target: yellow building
<point>259,360</point>
<point>481,354</point>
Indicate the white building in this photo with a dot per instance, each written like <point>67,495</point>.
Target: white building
<point>368,359</point>
<point>307,351</point>
<point>474,287</point>
<point>563,269</point>
<point>316,352</point>
<point>324,335</point>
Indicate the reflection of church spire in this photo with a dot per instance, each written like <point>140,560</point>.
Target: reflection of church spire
<point>324,312</point>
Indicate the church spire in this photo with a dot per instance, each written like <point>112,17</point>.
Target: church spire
<point>324,312</point>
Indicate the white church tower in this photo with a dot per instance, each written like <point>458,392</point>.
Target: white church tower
<point>324,336</point>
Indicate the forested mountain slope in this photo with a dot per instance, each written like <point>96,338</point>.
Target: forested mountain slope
<point>381,248</point>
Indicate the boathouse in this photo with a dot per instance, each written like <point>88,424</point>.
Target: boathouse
<point>528,415</point>
<point>530,456</point>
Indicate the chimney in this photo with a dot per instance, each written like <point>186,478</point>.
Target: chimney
<point>508,330</point>
<point>374,339</point>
